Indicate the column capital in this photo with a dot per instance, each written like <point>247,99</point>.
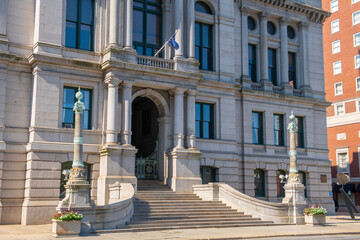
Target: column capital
<point>303,25</point>
<point>244,10</point>
<point>178,91</point>
<point>112,79</point>
<point>127,84</point>
<point>263,16</point>
<point>284,21</point>
<point>191,92</point>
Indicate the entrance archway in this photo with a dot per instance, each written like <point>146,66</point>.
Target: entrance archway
<point>145,129</point>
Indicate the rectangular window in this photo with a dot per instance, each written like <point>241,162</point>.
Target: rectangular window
<point>337,67</point>
<point>338,88</point>
<point>357,61</point>
<point>343,162</point>
<point>204,120</point>
<point>356,17</point>
<point>79,24</point>
<point>68,115</point>
<point>334,6</point>
<point>358,105</point>
<point>336,46</point>
<point>203,45</point>
<point>300,132</point>
<point>257,128</point>
<point>292,69</point>
<point>339,109</point>
<point>335,26</point>
<point>356,39</point>
<point>272,66</point>
<point>278,130</point>
<point>358,84</point>
<point>252,62</point>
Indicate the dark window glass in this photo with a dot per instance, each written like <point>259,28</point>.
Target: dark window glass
<point>147,26</point>
<point>251,23</point>
<point>252,62</point>
<point>259,180</point>
<point>68,166</point>
<point>257,128</point>
<point>292,69</point>
<point>79,24</point>
<point>203,45</point>
<point>271,29</point>
<point>272,66</point>
<point>278,130</point>
<point>204,120</point>
<point>290,32</point>
<point>300,132</point>
<point>302,176</point>
<point>68,115</point>
<point>279,184</point>
<point>202,7</point>
<point>208,174</point>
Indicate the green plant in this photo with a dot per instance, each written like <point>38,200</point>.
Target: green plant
<point>312,210</point>
<point>68,216</point>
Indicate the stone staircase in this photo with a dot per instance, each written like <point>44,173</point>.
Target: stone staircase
<point>157,207</point>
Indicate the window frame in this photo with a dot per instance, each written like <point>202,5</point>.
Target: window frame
<point>353,19</point>
<point>334,51</point>
<point>252,63</point>
<point>300,132</point>
<point>90,110</point>
<point>357,64</point>
<point>335,86</point>
<point>213,173</point>
<point>354,37</point>
<point>201,121</point>
<point>332,10</point>
<point>333,28</point>
<point>78,26</point>
<point>357,83</point>
<point>279,132</point>
<point>259,130</point>
<point>280,190</point>
<point>343,151</point>
<point>272,69</point>
<point>292,70</point>
<point>201,47</point>
<point>336,109</point>
<point>336,72</point>
<point>262,192</point>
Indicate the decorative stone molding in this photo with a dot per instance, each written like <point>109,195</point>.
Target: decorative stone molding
<point>341,136</point>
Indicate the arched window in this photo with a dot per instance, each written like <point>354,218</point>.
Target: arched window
<point>203,39</point>
<point>259,180</point>
<point>208,174</point>
<point>279,183</point>
<point>68,166</point>
<point>302,176</point>
<point>147,26</point>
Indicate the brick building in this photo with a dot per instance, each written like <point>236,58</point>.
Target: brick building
<point>342,86</point>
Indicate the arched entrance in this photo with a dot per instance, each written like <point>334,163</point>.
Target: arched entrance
<point>145,132</point>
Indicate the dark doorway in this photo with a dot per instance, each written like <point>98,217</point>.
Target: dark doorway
<point>145,130</point>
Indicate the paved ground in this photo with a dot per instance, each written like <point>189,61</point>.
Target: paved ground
<point>337,227</point>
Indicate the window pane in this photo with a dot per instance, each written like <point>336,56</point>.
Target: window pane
<point>140,50</point>
<point>71,10</point>
<point>86,120</point>
<point>205,36</point>
<point>197,129</point>
<point>137,4</point>
<point>202,7</point>
<point>86,99</point>
<point>205,59</point>
<point>154,8</point>
<point>197,34</point>
<point>70,35</point>
<point>206,112</point>
<point>255,120</point>
<point>197,112</point>
<point>68,116</point>
<point>86,11</point>
<point>153,29</point>
<point>197,53</point>
<point>85,37</point>
<point>149,52</point>
<point>69,98</point>
<point>206,130</point>
<point>138,23</point>
<point>255,136</point>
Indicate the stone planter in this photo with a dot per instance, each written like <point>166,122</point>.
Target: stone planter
<point>66,228</point>
<point>319,219</point>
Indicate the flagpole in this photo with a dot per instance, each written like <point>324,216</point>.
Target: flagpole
<point>165,44</point>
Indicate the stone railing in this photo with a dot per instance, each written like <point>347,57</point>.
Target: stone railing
<point>111,215</point>
<point>155,62</point>
<point>267,211</point>
<point>277,89</point>
<point>297,92</point>
<point>256,86</point>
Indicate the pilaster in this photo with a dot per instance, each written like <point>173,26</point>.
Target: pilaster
<point>4,44</point>
<point>179,26</point>
<point>112,108</point>
<point>190,119</point>
<point>264,48</point>
<point>304,60</point>
<point>126,113</point>
<point>191,27</point>
<point>179,118</point>
<point>129,24</point>
<point>284,58</point>
<point>114,23</point>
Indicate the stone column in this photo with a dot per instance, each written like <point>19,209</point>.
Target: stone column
<point>179,118</point>
<point>244,42</point>
<point>284,56</point>
<point>126,113</point>
<point>3,18</point>
<point>190,121</point>
<point>179,25</point>
<point>191,27</point>
<point>112,108</point>
<point>304,60</point>
<point>114,26</point>
<point>129,24</point>
<point>264,48</point>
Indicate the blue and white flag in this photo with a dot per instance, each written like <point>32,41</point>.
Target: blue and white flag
<point>173,42</point>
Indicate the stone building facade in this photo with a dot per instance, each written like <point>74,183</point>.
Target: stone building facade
<point>215,109</point>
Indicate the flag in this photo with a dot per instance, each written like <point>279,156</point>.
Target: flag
<point>173,42</point>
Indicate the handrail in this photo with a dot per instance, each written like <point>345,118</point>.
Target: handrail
<point>155,62</point>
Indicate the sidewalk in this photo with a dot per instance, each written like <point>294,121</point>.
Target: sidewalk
<point>336,225</point>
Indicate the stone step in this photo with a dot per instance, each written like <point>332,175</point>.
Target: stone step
<point>143,217</point>
<point>182,208</point>
<point>184,205</point>
<point>172,201</point>
<point>194,220</point>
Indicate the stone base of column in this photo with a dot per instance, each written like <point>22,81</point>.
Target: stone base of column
<point>77,195</point>
<point>116,53</point>
<point>266,85</point>
<point>37,211</point>
<point>294,196</point>
<point>246,82</point>
<point>286,88</point>
<point>186,64</point>
<point>306,91</point>
<point>117,164</point>
<point>185,170</point>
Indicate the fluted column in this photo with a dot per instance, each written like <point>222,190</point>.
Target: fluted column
<point>3,17</point>
<point>114,26</point>
<point>179,25</point>
<point>179,118</point>
<point>284,56</point>
<point>191,27</point>
<point>264,48</point>
<point>126,112</point>
<point>129,24</point>
<point>244,41</point>
<point>112,110</point>
<point>190,120</point>
<point>304,62</point>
